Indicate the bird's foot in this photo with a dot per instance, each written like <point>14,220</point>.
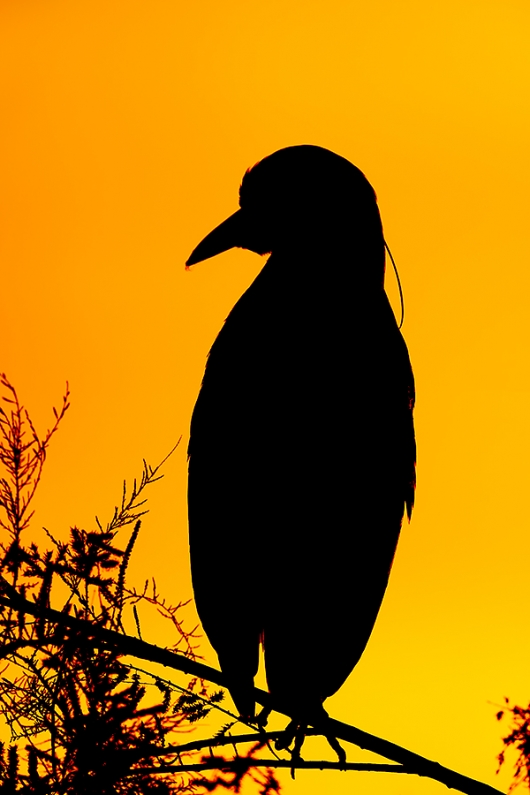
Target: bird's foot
<point>337,747</point>
<point>320,719</point>
<point>299,739</point>
<point>287,736</point>
<point>296,732</point>
<point>262,717</point>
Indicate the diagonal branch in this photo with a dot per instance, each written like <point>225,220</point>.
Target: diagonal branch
<point>246,763</point>
<point>414,763</point>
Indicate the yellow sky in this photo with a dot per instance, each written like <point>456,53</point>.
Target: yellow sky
<point>126,128</point>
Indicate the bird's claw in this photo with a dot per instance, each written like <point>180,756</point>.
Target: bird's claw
<point>263,717</point>
<point>286,737</point>
<point>337,747</point>
<point>299,739</point>
<point>297,732</point>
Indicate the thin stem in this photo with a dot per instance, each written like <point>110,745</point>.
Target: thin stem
<point>245,763</point>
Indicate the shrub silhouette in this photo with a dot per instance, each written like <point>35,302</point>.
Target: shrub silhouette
<point>81,719</point>
<point>517,740</point>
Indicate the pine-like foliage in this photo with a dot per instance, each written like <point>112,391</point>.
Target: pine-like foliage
<point>517,740</point>
<point>83,720</point>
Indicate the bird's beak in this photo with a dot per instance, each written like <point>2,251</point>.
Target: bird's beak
<point>227,235</point>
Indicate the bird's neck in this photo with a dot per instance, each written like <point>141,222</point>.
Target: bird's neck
<point>361,267</point>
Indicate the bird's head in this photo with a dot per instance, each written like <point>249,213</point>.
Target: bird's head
<point>302,198</point>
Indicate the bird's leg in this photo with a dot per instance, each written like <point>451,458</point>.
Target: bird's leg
<point>337,747</point>
<point>322,718</point>
<point>299,739</point>
<point>263,716</point>
<point>296,731</point>
<point>287,736</point>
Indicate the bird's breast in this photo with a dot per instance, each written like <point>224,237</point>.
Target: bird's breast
<point>295,369</point>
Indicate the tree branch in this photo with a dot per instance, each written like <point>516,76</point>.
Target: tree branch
<point>414,763</point>
<point>228,739</point>
<point>246,763</point>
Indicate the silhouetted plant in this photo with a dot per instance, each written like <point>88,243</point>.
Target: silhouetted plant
<point>81,719</point>
<point>518,740</point>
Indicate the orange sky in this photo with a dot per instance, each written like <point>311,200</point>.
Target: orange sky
<point>126,127</point>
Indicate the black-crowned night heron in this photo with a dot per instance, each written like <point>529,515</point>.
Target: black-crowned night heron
<point>302,451</point>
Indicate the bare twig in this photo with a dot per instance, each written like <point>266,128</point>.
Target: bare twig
<point>129,510</point>
<point>246,763</point>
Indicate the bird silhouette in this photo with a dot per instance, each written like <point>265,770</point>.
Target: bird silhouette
<point>302,451</point>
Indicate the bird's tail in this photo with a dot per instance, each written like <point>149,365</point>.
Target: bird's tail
<point>242,692</point>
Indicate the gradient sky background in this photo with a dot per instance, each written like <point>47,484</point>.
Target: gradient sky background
<point>126,128</point>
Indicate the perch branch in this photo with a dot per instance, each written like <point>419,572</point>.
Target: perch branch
<point>414,763</point>
<point>244,763</point>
